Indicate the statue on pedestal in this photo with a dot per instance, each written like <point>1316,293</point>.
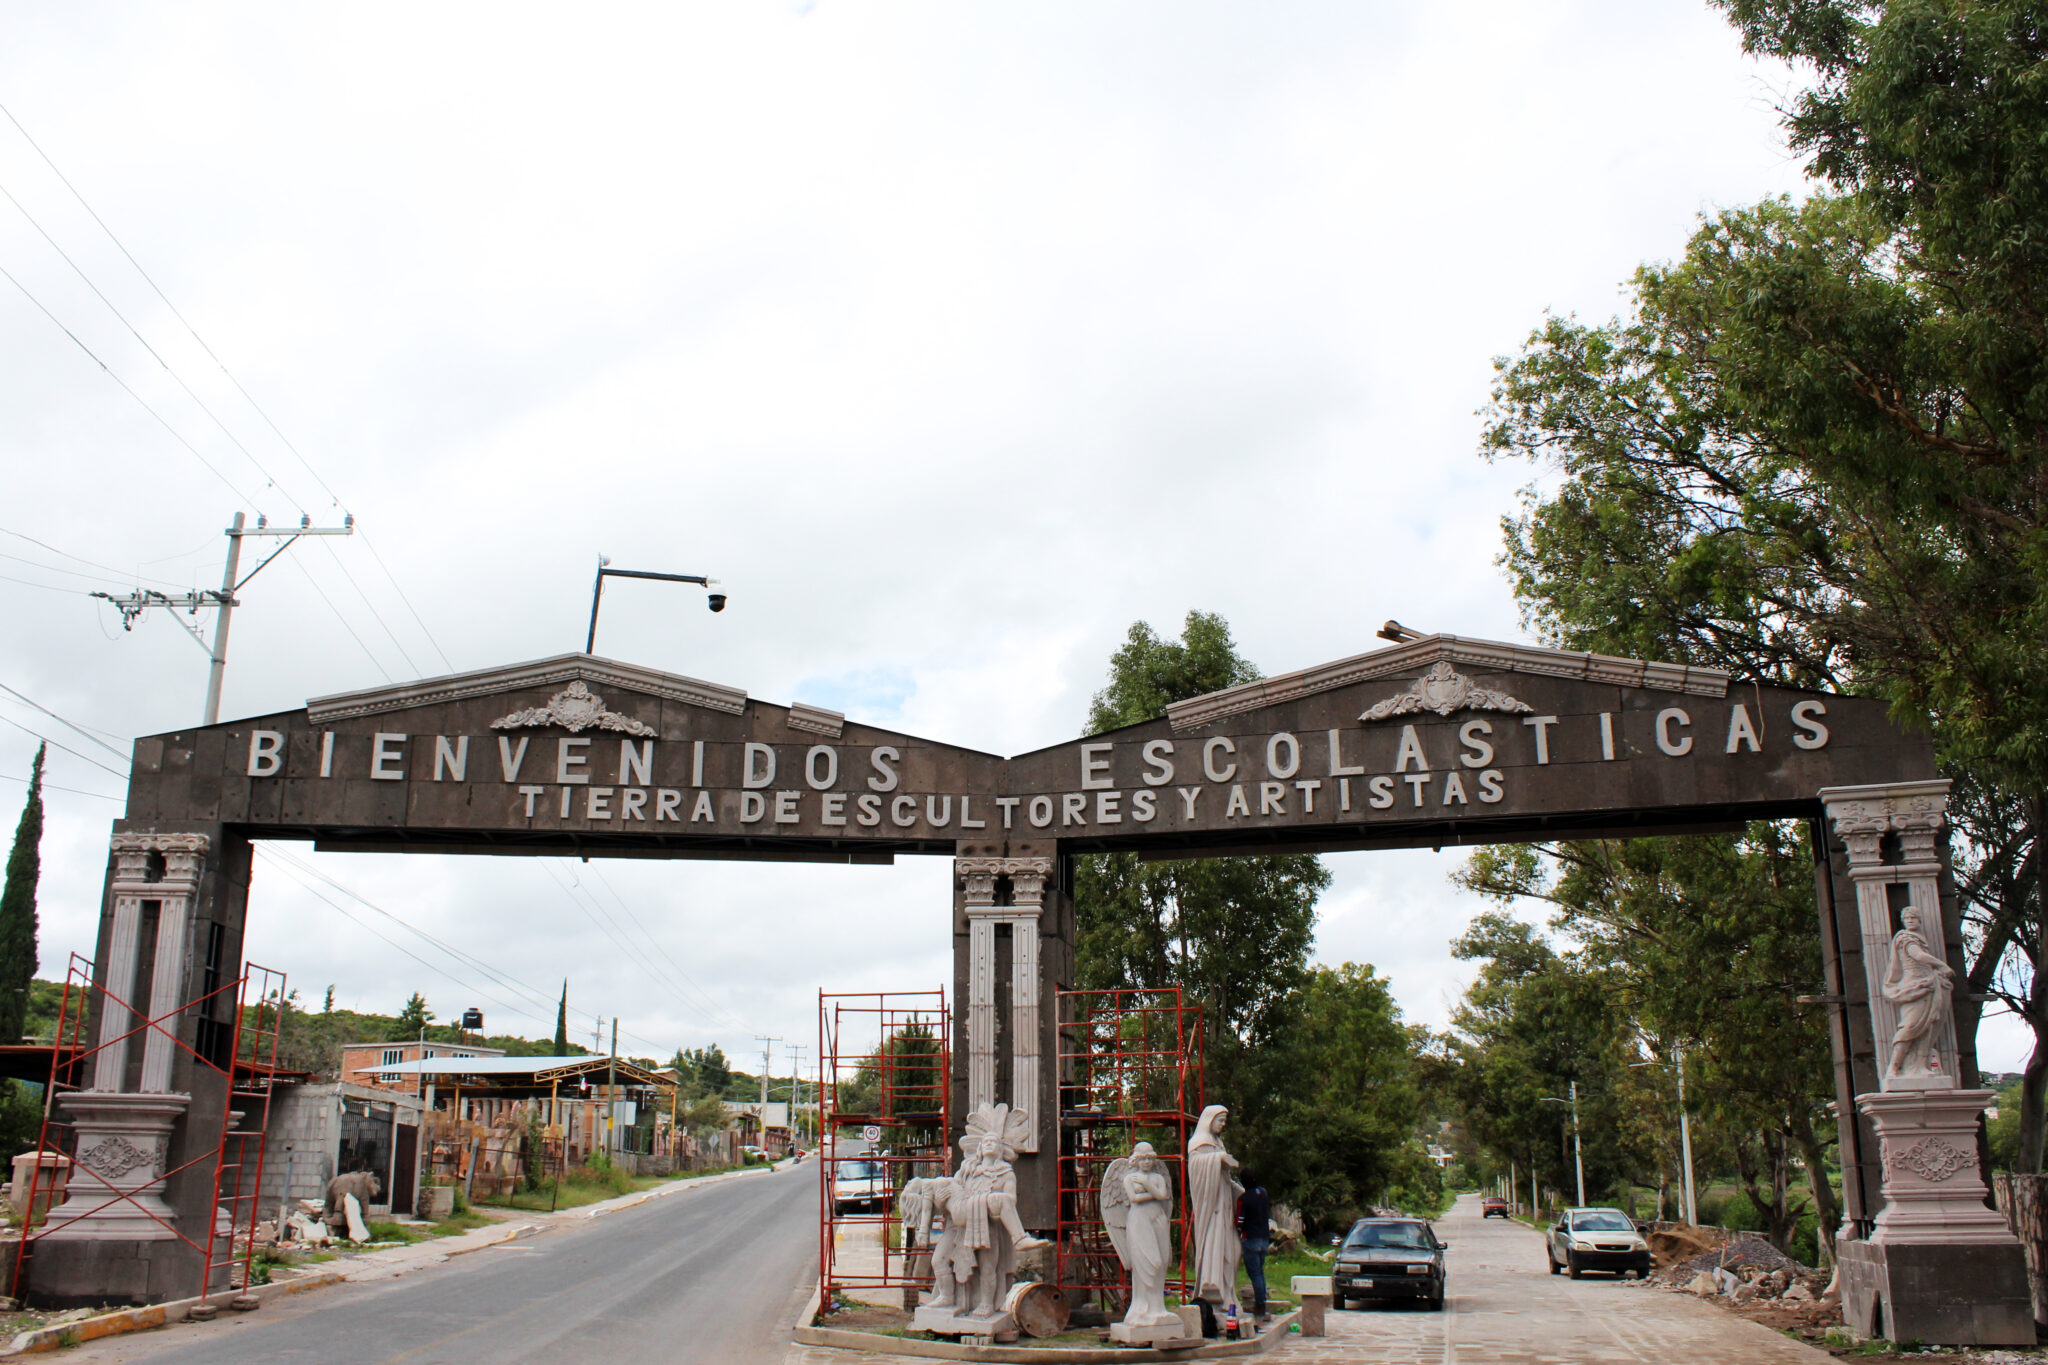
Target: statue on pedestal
<point>1212,1205</point>
<point>1918,982</point>
<point>1137,1208</point>
<point>974,1257</point>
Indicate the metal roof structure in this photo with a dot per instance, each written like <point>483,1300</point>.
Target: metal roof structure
<point>540,1070</point>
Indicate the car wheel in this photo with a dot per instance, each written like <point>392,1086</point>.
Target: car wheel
<point>1554,1266</point>
<point>1436,1305</point>
<point>1572,1266</point>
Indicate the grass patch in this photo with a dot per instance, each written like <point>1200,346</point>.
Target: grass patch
<point>455,1224</point>
<point>1280,1272</point>
<point>593,1184</point>
<point>395,1232</point>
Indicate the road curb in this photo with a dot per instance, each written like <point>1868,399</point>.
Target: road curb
<point>873,1343</point>
<point>628,1201</point>
<point>126,1320</point>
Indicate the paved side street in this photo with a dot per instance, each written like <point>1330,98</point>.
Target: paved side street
<point>1505,1307</point>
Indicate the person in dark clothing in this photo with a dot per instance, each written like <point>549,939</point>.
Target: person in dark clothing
<point>1254,1231</point>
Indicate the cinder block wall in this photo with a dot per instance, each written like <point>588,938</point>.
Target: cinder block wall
<point>308,1117</point>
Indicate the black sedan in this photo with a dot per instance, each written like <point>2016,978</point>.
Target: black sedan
<point>1389,1258</point>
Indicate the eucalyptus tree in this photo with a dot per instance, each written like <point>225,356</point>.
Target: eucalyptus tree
<point>1816,450</point>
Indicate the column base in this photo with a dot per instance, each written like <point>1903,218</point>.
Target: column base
<point>1939,1266</point>
<point>117,1173</point>
<point>1970,1295</point>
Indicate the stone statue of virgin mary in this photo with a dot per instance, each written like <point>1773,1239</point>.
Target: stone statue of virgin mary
<point>1212,1204</point>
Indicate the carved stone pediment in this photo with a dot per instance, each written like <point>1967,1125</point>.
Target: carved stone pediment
<point>575,708</point>
<point>1443,690</point>
<point>563,669</point>
<point>1442,653</point>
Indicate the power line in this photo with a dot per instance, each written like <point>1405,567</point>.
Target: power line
<point>211,468</point>
<point>497,975</point>
<point>371,547</point>
<point>377,615</point>
<point>61,721</point>
<point>151,282</point>
<point>609,928</point>
<point>374,660</point>
<point>83,758</point>
<point>717,1008</point>
<point>176,378</point>
<point>221,365</point>
<point>53,787</point>
<point>120,575</point>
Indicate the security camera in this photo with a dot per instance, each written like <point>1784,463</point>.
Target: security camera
<point>717,601</point>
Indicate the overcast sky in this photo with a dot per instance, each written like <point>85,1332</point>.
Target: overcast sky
<point>953,338</point>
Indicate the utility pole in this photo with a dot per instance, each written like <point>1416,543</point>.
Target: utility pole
<point>1578,1152</point>
<point>611,1094</point>
<point>224,603</point>
<point>1692,1212</point>
<point>767,1044</point>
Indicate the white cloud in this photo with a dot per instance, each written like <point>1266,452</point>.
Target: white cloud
<point>953,339</point>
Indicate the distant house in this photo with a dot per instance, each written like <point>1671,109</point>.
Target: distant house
<point>360,1062</point>
<point>763,1126</point>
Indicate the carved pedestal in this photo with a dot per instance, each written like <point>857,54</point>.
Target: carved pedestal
<point>946,1322</point>
<point>1939,1266</point>
<point>117,1176</point>
<point>1167,1330</point>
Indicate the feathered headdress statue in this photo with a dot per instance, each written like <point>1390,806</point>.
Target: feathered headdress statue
<point>1010,1127</point>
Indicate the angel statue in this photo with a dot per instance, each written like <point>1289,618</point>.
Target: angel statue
<point>975,1255</point>
<point>1137,1208</point>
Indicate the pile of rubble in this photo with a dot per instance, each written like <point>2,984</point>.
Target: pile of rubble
<point>1746,1275</point>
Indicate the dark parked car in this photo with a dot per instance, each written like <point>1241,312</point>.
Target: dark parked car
<point>1597,1239</point>
<point>1493,1206</point>
<point>1389,1258</point>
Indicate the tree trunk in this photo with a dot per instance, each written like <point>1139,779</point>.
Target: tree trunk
<point>1827,1213</point>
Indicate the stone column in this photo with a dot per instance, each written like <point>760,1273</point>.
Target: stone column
<point>979,876</point>
<point>1940,1264</point>
<point>1026,902</point>
<point>1027,897</point>
<point>124,1137</point>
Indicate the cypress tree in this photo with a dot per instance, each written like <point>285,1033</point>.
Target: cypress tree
<point>18,909</point>
<point>562,1022</point>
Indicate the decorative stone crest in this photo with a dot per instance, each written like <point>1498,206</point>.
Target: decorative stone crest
<point>1934,1159</point>
<point>117,1156</point>
<point>575,708</point>
<point>1443,690</point>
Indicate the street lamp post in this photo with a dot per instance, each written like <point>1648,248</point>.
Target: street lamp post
<point>1578,1151</point>
<point>1685,1186</point>
<point>716,601</point>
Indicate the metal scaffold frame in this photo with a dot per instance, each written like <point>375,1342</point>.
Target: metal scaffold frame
<point>1130,1071</point>
<point>884,1076</point>
<point>229,1242</point>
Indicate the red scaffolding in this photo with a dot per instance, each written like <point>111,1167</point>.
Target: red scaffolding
<point>884,1109</point>
<point>236,1161</point>
<point>1131,1071</point>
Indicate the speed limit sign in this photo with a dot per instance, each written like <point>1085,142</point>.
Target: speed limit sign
<point>873,1132</point>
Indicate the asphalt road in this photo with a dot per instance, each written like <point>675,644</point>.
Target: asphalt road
<point>712,1274</point>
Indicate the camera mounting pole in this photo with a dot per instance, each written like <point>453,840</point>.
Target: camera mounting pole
<point>604,569</point>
